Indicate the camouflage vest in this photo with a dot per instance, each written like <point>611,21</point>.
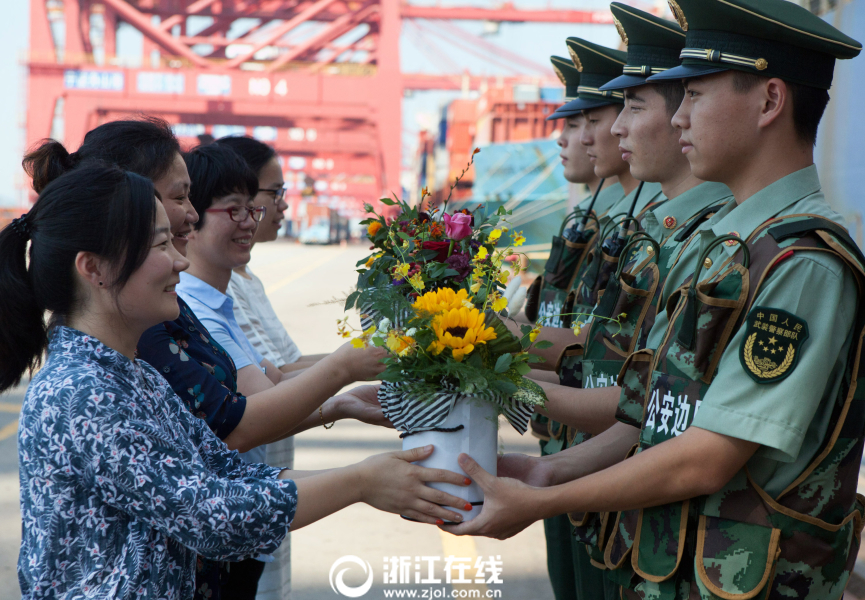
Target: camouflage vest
<point>545,299</point>
<point>635,291</point>
<point>599,266</point>
<point>740,542</point>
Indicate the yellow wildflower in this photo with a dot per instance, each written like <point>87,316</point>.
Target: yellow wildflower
<point>460,329</point>
<point>401,271</point>
<point>372,259</point>
<point>577,329</point>
<point>495,234</point>
<point>424,192</point>
<point>416,281</point>
<point>440,300</point>
<point>476,287</point>
<point>500,303</point>
<point>519,239</point>
<point>533,334</point>
<point>399,344</point>
<point>482,253</point>
<point>503,276</point>
<point>373,228</point>
<point>358,342</point>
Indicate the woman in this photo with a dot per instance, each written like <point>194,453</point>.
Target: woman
<point>259,322</point>
<point>199,370</point>
<point>120,485</point>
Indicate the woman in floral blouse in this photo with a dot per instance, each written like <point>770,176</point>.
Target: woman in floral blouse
<point>121,486</point>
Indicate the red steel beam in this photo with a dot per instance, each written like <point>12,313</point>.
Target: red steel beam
<point>143,24</point>
<point>280,31</point>
<point>331,32</point>
<point>192,9</point>
<point>506,13</point>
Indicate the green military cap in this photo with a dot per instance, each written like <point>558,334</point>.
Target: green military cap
<point>570,77</point>
<point>597,65</point>
<point>653,45</point>
<point>773,38</point>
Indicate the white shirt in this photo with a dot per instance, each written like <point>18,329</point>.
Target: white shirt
<point>258,320</point>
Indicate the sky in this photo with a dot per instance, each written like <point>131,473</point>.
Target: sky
<point>421,51</point>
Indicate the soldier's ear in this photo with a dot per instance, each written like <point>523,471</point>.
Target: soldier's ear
<point>775,101</point>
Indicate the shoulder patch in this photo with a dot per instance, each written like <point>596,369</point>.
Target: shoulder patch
<point>772,344</point>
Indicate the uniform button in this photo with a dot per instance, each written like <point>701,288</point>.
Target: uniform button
<point>191,328</point>
<point>707,263</point>
<point>650,250</point>
<point>166,369</point>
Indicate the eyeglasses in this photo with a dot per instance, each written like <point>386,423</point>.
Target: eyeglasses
<point>239,214</point>
<point>278,194</point>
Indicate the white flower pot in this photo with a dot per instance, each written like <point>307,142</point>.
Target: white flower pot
<point>478,438</point>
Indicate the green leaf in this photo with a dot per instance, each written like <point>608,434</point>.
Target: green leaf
<point>543,344</point>
<point>523,369</point>
<point>503,386</point>
<point>349,302</point>
<point>534,358</point>
<point>450,272</point>
<point>387,201</point>
<point>503,363</point>
<point>402,235</point>
<point>525,329</point>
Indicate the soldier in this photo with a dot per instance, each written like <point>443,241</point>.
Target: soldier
<point>563,268</point>
<point>650,145</point>
<point>743,478</point>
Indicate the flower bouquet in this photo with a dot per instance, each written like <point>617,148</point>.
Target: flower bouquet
<point>430,293</point>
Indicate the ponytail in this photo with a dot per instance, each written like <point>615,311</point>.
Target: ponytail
<point>94,208</point>
<point>23,335</point>
<point>47,162</point>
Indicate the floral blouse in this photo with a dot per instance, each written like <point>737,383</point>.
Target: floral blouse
<point>121,486</point>
<point>198,369</point>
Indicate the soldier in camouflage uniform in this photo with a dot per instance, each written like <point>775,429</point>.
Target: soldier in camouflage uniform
<point>550,290</point>
<point>743,474</point>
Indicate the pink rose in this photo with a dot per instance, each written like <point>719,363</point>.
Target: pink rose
<point>458,226</point>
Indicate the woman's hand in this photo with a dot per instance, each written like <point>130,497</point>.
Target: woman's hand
<point>389,482</point>
<point>360,364</point>
<point>507,506</point>
<point>361,403</point>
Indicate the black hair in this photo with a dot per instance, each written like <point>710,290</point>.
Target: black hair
<point>146,146</point>
<point>809,103</point>
<point>95,208</point>
<point>255,153</point>
<point>673,92</point>
<point>217,171</point>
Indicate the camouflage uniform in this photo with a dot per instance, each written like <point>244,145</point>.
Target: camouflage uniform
<point>788,524</point>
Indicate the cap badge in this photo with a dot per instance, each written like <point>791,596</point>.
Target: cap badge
<point>621,31</point>
<point>679,14</point>
<point>561,75</point>
<point>576,59</point>
<point>669,222</point>
<point>761,64</point>
<point>732,242</point>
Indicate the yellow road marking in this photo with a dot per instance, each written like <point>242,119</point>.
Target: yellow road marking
<point>10,407</point>
<point>305,271</point>
<point>9,430</point>
<point>462,547</point>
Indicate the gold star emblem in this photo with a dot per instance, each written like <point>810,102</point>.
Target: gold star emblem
<point>772,340</point>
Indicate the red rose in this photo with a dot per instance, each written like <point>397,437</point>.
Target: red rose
<point>440,247</point>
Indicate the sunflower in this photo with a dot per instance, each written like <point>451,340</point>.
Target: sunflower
<point>440,300</point>
<point>460,329</point>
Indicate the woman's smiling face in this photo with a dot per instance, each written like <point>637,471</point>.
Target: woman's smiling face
<point>270,179</point>
<point>173,188</point>
<point>222,242</point>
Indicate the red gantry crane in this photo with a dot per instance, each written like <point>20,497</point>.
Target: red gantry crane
<point>319,80</point>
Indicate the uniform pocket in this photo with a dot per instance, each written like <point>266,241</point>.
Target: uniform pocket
<point>735,560</point>
<point>560,272</point>
<point>660,541</point>
<point>634,380</point>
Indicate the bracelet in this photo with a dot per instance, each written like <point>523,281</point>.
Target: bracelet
<point>321,416</point>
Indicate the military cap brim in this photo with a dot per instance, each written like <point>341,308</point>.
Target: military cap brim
<point>624,82</point>
<point>685,72</point>
<point>576,106</point>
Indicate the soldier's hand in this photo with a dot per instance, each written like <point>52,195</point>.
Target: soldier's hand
<point>507,505</point>
<point>528,469</point>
